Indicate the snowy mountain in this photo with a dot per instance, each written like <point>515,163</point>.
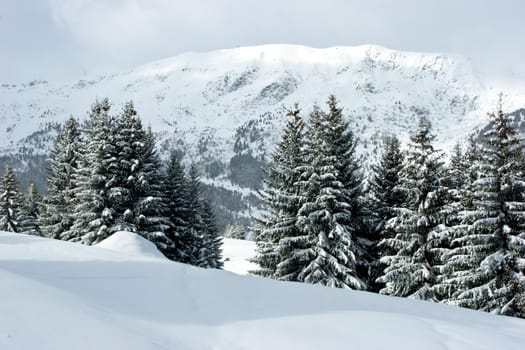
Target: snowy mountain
<point>106,299</point>
<point>224,108</point>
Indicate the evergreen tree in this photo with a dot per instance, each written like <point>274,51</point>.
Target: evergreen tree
<point>486,264</point>
<point>411,270</point>
<point>281,245</point>
<point>452,253</point>
<point>346,165</point>
<point>211,253</point>
<point>457,169</point>
<point>29,212</point>
<point>196,225</point>
<point>386,197</point>
<point>128,138</point>
<point>56,214</point>
<point>386,180</point>
<point>97,167</point>
<point>119,185</point>
<point>326,218</point>
<point>9,202</point>
<point>150,208</point>
<point>178,211</point>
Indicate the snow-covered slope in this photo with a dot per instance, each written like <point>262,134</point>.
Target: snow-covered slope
<point>236,253</point>
<point>131,243</point>
<point>224,108</point>
<point>58,295</point>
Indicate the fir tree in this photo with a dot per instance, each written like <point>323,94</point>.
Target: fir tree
<point>211,253</point>
<point>487,262</point>
<point>326,217</point>
<point>346,165</point>
<point>457,169</point>
<point>453,254</point>
<point>9,202</point>
<point>411,270</point>
<point>93,211</point>
<point>281,246</point>
<point>386,197</point>
<point>128,137</point>
<point>150,206</point>
<point>178,212</point>
<point>56,215</point>
<point>196,223</point>
<point>29,212</point>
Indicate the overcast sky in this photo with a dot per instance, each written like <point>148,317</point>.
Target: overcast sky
<point>68,39</point>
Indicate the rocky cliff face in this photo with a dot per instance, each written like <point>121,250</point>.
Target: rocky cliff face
<point>224,109</point>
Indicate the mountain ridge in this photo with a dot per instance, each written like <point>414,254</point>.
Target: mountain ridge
<point>225,108</point>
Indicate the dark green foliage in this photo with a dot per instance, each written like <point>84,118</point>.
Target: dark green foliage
<point>314,228</point>
<point>385,197</point>
<point>196,225</point>
<point>149,206</point>
<point>329,218</point>
<point>456,171</point>
<point>277,236</point>
<point>193,232</point>
<point>211,252</point>
<point>97,166</point>
<point>177,200</point>
<point>9,202</point>
<point>245,170</point>
<point>56,214</point>
<point>411,267</point>
<point>110,179</point>
<point>29,212</point>
<point>486,261</point>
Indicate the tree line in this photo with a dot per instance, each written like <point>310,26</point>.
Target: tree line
<point>105,176</point>
<point>415,227</point>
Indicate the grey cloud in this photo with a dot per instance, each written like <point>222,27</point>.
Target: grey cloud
<point>59,39</point>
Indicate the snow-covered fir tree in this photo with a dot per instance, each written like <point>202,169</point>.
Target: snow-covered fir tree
<point>56,214</point>
<point>489,258</point>
<point>326,217</point>
<point>128,138</point>
<point>195,221</point>
<point>281,246</point>
<point>97,166</point>
<point>385,196</point>
<point>410,271</point>
<point>454,251</point>
<point>211,251</point>
<point>456,169</point>
<point>118,181</point>
<point>9,202</point>
<point>178,212</point>
<point>150,206</point>
<point>346,165</point>
<point>29,212</point>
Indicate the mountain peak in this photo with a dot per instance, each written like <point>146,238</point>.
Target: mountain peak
<point>294,54</point>
<point>224,108</point>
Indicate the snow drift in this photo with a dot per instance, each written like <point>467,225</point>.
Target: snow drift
<point>59,295</point>
<point>132,244</point>
<point>236,253</point>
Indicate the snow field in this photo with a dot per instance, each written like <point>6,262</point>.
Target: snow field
<point>57,295</point>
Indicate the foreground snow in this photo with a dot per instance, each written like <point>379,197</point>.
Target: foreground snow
<point>58,295</point>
